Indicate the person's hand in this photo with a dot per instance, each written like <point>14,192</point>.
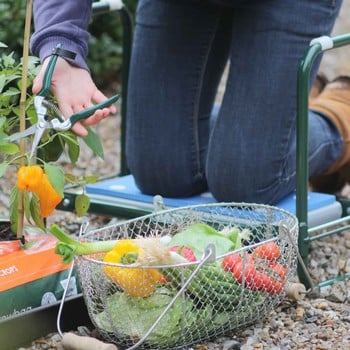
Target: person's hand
<point>74,90</point>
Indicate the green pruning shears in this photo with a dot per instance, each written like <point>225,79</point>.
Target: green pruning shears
<point>41,104</point>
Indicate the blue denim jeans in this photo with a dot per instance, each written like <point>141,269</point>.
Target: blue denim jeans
<point>180,50</point>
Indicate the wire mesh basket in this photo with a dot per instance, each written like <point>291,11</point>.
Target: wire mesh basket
<point>197,300</point>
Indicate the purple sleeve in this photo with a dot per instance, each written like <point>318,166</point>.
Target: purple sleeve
<point>64,22</point>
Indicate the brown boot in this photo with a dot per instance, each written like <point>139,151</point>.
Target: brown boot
<point>318,86</point>
<point>334,102</point>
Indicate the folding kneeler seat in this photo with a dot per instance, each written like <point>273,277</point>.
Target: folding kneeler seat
<point>118,195</point>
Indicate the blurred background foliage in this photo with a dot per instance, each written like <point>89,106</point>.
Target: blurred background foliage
<point>105,48</point>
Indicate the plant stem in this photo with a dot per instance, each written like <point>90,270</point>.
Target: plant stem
<point>22,105</point>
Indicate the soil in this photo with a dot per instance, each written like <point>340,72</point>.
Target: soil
<point>5,232</point>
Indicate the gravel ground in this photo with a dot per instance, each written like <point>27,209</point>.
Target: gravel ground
<point>316,322</point>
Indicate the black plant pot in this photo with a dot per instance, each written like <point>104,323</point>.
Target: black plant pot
<point>9,242</point>
<point>32,325</point>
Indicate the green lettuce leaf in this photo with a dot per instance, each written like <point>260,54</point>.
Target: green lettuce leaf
<point>198,236</point>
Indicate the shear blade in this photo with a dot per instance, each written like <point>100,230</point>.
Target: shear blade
<point>19,135</point>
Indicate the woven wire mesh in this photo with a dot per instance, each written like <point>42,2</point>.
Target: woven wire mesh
<point>212,303</point>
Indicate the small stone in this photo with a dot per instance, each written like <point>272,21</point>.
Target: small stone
<point>322,336</point>
<point>330,323</point>
<point>231,345</point>
<point>302,340</point>
<point>322,305</point>
<point>337,296</point>
<point>332,271</point>
<point>299,313</point>
<point>325,346</point>
<point>347,266</point>
<point>311,319</point>
<point>341,265</point>
<point>84,331</point>
<point>276,323</point>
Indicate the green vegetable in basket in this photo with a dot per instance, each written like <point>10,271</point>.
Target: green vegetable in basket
<point>68,247</point>
<point>133,317</point>
<point>198,236</point>
<point>211,285</point>
<point>236,235</point>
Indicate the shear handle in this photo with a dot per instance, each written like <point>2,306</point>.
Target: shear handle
<point>48,76</point>
<point>68,123</point>
<point>90,111</point>
<point>56,52</point>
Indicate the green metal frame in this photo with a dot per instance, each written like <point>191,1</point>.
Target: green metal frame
<point>317,46</point>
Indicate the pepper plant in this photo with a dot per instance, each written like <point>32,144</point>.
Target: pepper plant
<point>40,179</point>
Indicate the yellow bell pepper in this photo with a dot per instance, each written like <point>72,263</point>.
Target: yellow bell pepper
<point>137,282</point>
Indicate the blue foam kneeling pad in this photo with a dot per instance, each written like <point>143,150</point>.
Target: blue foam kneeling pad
<point>321,207</point>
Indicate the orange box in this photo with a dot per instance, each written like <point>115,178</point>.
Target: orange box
<point>33,276</point>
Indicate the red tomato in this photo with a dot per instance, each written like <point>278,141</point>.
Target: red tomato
<point>279,270</point>
<point>277,288</point>
<point>186,252</point>
<point>246,272</point>
<point>230,261</point>
<point>267,283</point>
<point>268,251</point>
<point>248,258</point>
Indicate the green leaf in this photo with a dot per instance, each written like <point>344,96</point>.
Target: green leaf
<point>82,204</point>
<point>52,149</point>
<point>73,151</point>
<point>71,178</point>
<point>33,63</point>
<point>94,143</point>
<point>26,205</point>
<point>91,179</point>
<point>3,167</point>
<point>145,312</point>
<point>198,236</point>
<point>9,78</point>
<point>56,177</point>
<point>11,92</point>
<point>2,121</point>
<point>32,116</point>
<point>2,82</point>
<point>35,212</point>
<point>69,136</point>
<point>9,148</point>
<point>3,138</point>
<point>71,140</point>
<point>8,60</point>
<point>14,208</point>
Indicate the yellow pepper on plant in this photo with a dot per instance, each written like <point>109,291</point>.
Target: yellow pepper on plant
<point>48,196</point>
<point>29,177</point>
<point>32,178</point>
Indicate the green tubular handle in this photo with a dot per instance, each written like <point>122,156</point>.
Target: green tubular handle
<point>48,76</point>
<point>90,111</point>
